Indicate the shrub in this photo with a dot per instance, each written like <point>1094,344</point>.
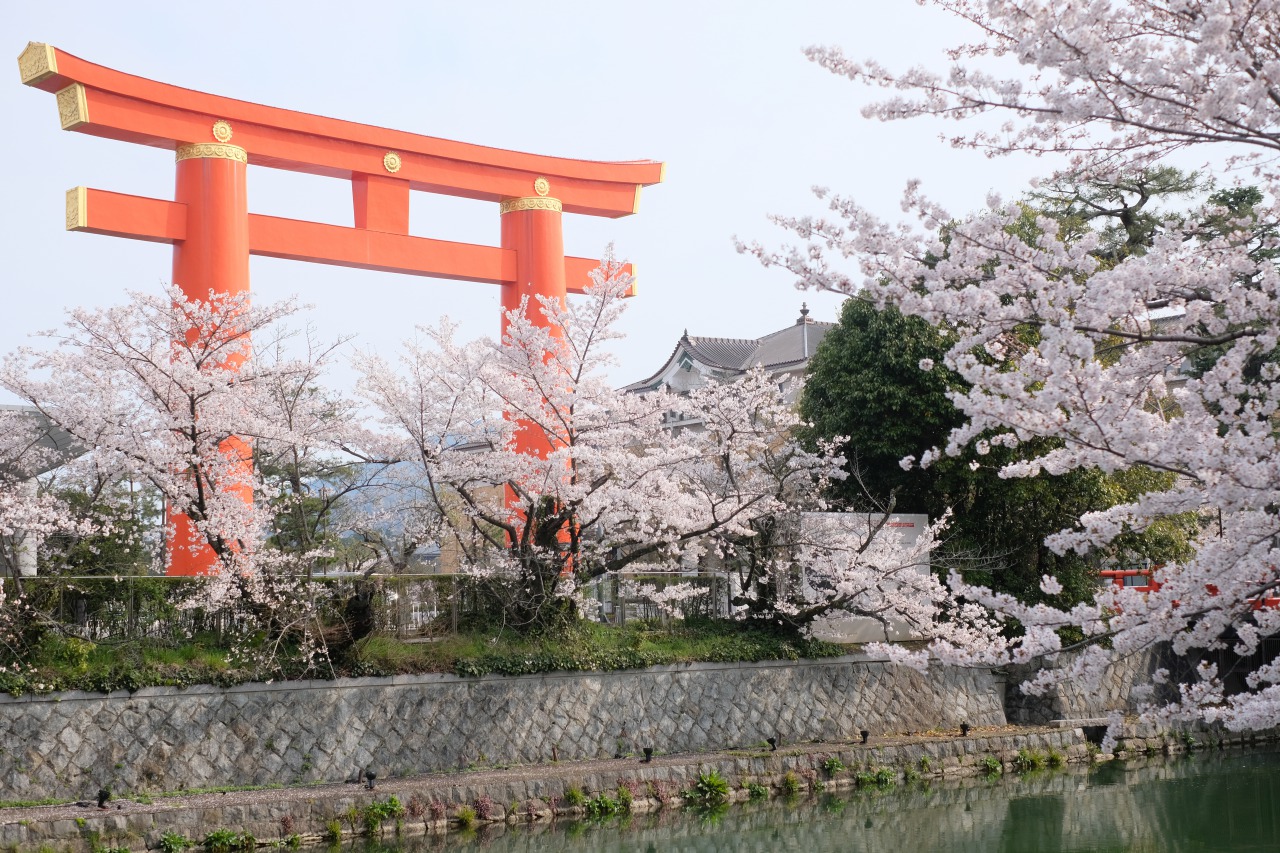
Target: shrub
<point>1027,760</point>
<point>174,842</point>
<point>333,830</point>
<point>709,791</point>
<point>990,765</point>
<point>466,817</point>
<point>1055,759</point>
<point>831,765</point>
<point>574,797</point>
<point>626,796</point>
<point>790,784</point>
<point>602,806</point>
<point>484,806</point>
<point>885,777</point>
<point>658,790</point>
<point>415,808</point>
<point>757,791</point>
<point>229,841</point>
<point>376,812</point>
<point>925,764</point>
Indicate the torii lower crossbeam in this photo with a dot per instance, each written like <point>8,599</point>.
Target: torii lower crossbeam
<point>159,221</point>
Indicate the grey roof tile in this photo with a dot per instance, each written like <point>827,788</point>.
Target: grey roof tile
<point>787,348</point>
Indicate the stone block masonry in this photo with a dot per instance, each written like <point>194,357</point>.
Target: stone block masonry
<point>1125,685</point>
<point>534,794</point>
<point>68,745</point>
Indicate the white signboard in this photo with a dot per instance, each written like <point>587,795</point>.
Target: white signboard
<point>862,629</point>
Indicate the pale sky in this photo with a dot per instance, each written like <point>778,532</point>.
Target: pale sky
<point>720,91</point>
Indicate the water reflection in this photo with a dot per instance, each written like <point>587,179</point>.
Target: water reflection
<point>1205,802</point>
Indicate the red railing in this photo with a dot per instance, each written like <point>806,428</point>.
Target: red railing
<point>1119,577</point>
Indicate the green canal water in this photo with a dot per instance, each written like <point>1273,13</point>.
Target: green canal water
<point>1211,801</point>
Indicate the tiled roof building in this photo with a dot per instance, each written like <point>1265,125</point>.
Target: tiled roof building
<point>697,359</point>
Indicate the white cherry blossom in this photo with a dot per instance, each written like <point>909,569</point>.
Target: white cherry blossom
<point>1115,86</point>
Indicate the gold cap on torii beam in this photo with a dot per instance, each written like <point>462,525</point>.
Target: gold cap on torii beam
<point>37,62</point>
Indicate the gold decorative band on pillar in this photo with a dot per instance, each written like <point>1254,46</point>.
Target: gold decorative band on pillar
<point>77,208</point>
<point>37,62</point>
<point>531,203</point>
<point>214,150</point>
<point>73,107</point>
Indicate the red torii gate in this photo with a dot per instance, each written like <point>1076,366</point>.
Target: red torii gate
<point>213,234</point>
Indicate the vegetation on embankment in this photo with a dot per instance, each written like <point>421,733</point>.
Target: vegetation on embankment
<point>63,662</point>
<point>589,646</point>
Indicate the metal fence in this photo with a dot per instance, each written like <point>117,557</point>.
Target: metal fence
<point>626,597</point>
<point>167,609</point>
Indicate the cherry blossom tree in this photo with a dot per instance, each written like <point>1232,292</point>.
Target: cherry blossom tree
<point>166,390</point>
<point>1164,359</point>
<point>52,519</point>
<point>620,488</point>
<point>315,490</point>
<point>613,490</point>
<point>28,511</point>
<point>175,393</point>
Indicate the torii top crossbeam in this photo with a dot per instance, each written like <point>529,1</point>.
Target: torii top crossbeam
<point>213,234</point>
<point>383,166</point>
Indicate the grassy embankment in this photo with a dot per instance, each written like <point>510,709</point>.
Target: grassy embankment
<point>68,663</point>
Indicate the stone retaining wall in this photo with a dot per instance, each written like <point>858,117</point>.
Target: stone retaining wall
<point>535,796</point>
<point>1126,684</point>
<point>70,744</point>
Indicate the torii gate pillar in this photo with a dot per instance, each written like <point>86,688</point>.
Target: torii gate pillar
<point>212,260</point>
<point>214,256</point>
<point>531,227</point>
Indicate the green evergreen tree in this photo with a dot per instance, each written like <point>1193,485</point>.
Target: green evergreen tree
<point>867,381</point>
